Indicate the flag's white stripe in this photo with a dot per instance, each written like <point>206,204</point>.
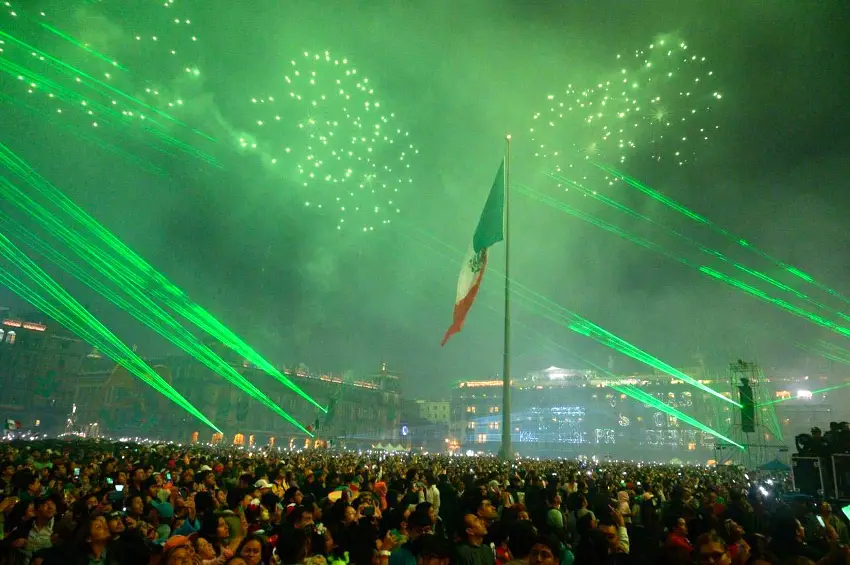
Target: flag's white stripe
<point>467,277</point>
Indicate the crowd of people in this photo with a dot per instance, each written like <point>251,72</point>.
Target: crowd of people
<point>819,444</point>
<point>89,502</point>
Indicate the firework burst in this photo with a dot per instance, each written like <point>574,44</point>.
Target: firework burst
<point>327,128</point>
<point>658,104</point>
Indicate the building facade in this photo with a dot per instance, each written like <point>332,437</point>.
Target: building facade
<point>568,413</point>
<point>39,361</point>
<point>361,410</point>
<point>53,380</point>
<point>436,412</point>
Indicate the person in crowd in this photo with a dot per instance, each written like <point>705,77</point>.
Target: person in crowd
<point>433,550</point>
<point>545,551</point>
<point>555,523</point>
<point>209,551</point>
<point>522,537</point>
<point>292,548</point>
<point>213,505</point>
<point>736,546</point>
<point>712,550</point>
<point>253,550</point>
<point>432,493</point>
<point>472,550</point>
<point>418,524</point>
<point>678,536</point>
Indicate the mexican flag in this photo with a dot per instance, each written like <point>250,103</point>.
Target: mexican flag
<point>490,230</point>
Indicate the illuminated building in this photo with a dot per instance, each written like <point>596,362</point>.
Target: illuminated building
<point>436,412</point>
<point>427,423</point>
<point>563,412</point>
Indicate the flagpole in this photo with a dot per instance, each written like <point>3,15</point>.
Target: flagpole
<point>506,452</point>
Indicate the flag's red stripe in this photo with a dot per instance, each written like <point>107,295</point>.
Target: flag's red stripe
<point>462,307</point>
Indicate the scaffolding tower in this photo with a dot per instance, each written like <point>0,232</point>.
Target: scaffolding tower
<point>764,443</point>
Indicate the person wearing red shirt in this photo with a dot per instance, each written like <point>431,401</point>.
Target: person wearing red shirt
<point>678,538</point>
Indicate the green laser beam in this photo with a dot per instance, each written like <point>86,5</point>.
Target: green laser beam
<point>106,86</point>
<point>144,276</point>
<point>151,315</point>
<point>88,327</point>
<point>669,202</point>
<point>713,253</point>
<point>839,356</point>
<point>834,348</point>
<point>819,391</point>
<point>103,112</point>
<point>82,46</point>
<point>82,133</point>
<point>585,327</point>
<point>761,295</point>
<point>559,318</point>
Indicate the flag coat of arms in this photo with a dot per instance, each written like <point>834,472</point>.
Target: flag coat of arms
<point>490,230</point>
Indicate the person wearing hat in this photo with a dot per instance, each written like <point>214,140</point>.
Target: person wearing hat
<point>178,550</point>
<point>314,484</point>
<point>261,487</point>
<point>160,513</point>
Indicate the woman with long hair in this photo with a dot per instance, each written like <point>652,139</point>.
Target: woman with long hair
<point>215,530</point>
<point>253,550</point>
<point>91,544</point>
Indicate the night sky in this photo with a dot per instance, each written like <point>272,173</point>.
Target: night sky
<point>455,77</point>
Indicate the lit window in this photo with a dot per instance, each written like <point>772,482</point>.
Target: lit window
<point>10,338</point>
<point>470,409</point>
<point>482,438</point>
<point>493,425</point>
<point>470,425</point>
